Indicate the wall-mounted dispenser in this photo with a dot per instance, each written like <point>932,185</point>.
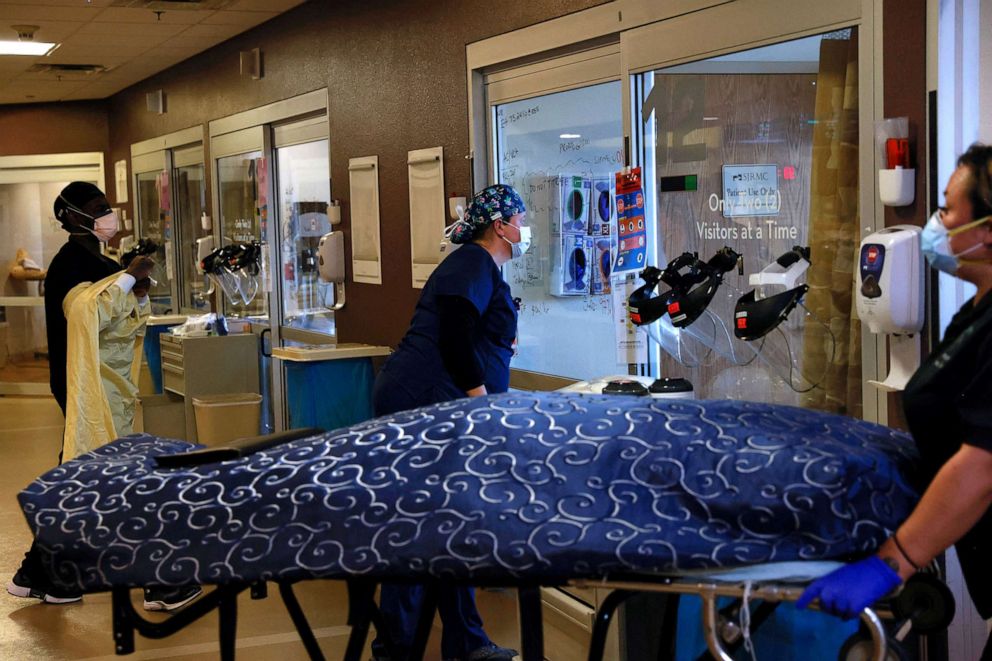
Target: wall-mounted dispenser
<point>330,264</point>
<point>204,247</point>
<point>457,206</point>
<point>897,179</point>
<point>890,297</point>
<point>334,212</point>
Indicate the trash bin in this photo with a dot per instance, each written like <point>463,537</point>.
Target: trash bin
<point>329,394</point>
<point>328,386</point>
<point>161,415</point>
<point>222,418</point>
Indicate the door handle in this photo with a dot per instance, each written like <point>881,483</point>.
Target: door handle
<point>261,337</point>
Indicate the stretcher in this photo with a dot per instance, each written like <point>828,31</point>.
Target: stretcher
<point>508,490</point>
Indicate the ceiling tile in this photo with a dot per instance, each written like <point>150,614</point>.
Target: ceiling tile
<point>133,43</point>
<point>74,4</point>
<point>38,88</point>
<point>37,12</point>
<point>13,63</point>
<point>199,43</point>
<point>245,18</point>
<point>218,32</point>
<point>265,5</point>
<point>168,53</point>
<point>94,51</point>
<point>133,15</point>
<point>108,29</point>
<point>80,57</point>
<point>54,31</point>
<point>94,92</point>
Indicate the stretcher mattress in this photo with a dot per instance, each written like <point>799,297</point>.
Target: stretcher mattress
<point>504,487</point>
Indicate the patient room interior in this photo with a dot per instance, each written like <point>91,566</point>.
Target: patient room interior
<point>724,202</point>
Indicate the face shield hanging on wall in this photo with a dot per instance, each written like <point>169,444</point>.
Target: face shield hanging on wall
<point>679,319</point>
<point>237,269</point>
<point>682,322</point>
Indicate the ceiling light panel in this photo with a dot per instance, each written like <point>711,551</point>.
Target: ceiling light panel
<point>22,48</point>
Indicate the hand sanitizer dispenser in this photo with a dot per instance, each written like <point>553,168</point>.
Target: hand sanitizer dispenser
<point>890,297</point>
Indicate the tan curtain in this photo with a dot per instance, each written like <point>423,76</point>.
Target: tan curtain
<point>834,224</point>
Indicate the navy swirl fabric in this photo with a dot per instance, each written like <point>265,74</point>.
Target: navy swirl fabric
<point>503,487</point>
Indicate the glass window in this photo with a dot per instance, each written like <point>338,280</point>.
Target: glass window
<point>242,181</point>
<point>154,205</point>
<point>304,192</point>
<point>560,151</point>
<point>191,191</point>
<point>758,151</point>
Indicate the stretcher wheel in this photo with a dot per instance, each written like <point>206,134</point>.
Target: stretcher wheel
<point>927,601</point>
<point>860,647</point>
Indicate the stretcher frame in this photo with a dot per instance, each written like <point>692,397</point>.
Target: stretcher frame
<point>363,613</point>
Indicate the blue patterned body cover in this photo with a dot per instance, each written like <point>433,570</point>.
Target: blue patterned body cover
<point>505,487</point>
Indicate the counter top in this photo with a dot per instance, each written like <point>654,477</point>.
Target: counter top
<point>22,301</point>
<point>315,352</point>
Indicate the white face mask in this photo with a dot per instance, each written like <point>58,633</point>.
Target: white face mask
<point>520,247</point>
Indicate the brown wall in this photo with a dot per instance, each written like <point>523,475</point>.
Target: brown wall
<point>55,128</point>
<point>904,52</point>
<point>396,77</point>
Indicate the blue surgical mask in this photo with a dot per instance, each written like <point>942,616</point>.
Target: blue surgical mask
<point>936,243</point>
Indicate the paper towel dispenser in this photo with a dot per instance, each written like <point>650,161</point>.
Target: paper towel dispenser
<point>330,264</point>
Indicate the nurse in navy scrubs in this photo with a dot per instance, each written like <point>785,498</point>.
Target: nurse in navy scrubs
<point>459,344</point>
<point>948,405</point>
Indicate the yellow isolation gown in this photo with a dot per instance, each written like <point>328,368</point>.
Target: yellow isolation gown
<point>103,319</point>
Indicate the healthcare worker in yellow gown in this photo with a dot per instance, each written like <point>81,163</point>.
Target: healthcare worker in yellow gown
<point>103,321</point>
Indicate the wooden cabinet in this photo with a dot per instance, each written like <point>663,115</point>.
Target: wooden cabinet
<point>212,365</point>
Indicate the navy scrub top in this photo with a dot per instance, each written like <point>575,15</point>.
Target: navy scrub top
<point>469,273</point>
<point>948,403</point>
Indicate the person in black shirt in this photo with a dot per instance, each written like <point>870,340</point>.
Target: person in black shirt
<point>77,207</point>
<point>85,214</point>
<point>948,405</point>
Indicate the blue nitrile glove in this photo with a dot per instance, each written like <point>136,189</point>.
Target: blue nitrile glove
<point>847,591</point>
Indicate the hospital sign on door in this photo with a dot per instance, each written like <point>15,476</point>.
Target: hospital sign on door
<point>750,190</point>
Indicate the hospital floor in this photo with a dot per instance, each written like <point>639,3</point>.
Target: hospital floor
<point>30,434</point>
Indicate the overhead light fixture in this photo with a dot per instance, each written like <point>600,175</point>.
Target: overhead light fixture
<point>25,44</point>
<point>25,48</point>
<point>711,119</point>
<point>570,136</point>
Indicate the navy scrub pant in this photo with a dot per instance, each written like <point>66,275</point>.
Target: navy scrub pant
<point>462,630</point>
